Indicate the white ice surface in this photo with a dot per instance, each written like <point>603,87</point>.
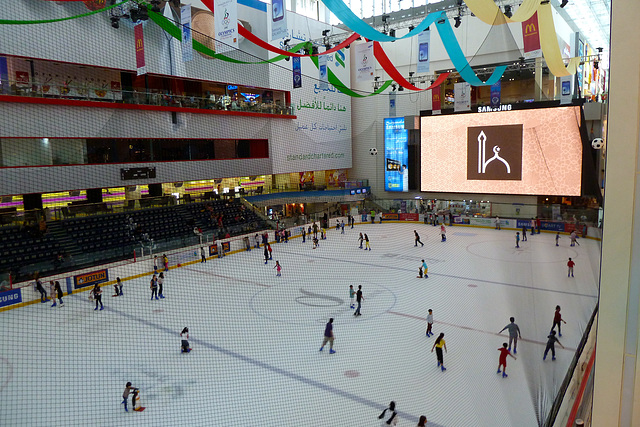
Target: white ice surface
<point>255,337</point>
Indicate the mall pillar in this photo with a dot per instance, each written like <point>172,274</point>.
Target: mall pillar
<point>94,195</point>
<point>616,399</point>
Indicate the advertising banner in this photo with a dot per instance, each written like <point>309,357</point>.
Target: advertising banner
<point>187,41</point>
<point>13,296</point>
<point>323,74</point>
<point>409,217</point>
<point>364,62</point>
<point>435,100</point>
<point>213,250</point>
<point>496,90</point>
<point>4,75</point>
<point>278,19</point>
<point>226,25</point>
<point>392,104</point>
<point>307,177</point>
<point>424,38</point>
<point>396,153</point>
<point>90,279</point>
<point>531,38</point>
<point>553,226</point>
<point>462,97</point>
<point>226,247</point>
<point>297,72</point>
<point>140,65</point>
<point>565,90</point>
<point>390,216</point>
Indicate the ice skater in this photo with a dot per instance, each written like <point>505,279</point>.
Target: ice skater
<point>165,259</point>
<point>422,422</point>
<point>557,318</point>
<point>438,346</point>
<point>502,362</point>
<point>315,242</point>
<point>570,265</point>
<point>498,223</point>
<point>366,242</point>
<point>266,254</point>
<point>352,294</point>
<point>342,227</point>
<point>125,395</point>
<point>524,233</point>
<point>514,333</point>
<point>154,286</point>
<point>203,257</point>
<point>184,335</point>
<point>97,296</point>
<point>155,263</point>
<point>551,341</point>
<point>417,239</point>
<point>443,233</point>
<point>59,292</point>
<point>304,235</point>
<point>43,293</point>
<point>429,323</point>
<point>52,292</point>
<point>557,238</point>
<point>270,251</point>
<point>160,283</point>
<point>359,299</point>
<point>389,418</point>
<point>278,269</point>
<point>361,239</point>
<point>574,238</point>
<point>117,288</point>
<point>328,336</point>
<point>315,229</point>
<point>517,239</point>
<point>425,269</point>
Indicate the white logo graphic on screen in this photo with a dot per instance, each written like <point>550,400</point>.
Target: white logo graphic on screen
<point>482,162</point>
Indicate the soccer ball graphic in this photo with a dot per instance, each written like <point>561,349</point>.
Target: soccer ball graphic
<point>597,143</point>
<point>373,151</point>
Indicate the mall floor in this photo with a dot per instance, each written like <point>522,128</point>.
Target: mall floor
<point>255,336</point>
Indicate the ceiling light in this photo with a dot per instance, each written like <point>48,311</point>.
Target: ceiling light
<point>458,21</point>
<point>507,11</point>
<point>564,3</point>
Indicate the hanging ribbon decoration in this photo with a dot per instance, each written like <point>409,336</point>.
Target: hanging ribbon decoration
<point>457,56</point>
<point>393,72</point>
<point>549,45</point>
<point>489,13</point>
<point>48,21</point>
<point>334,80</point>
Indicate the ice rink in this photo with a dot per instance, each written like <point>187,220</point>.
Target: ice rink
<point>255,336</point>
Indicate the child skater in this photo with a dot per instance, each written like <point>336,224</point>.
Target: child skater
<point>52,292</point>
<point>116,287</point>
<point>419,276</point>
<point>443,233</point>
<point>125,395</point>
<point>389,418</point>
<point>438,345</point>
<point>557,318</point>
<point>570,265</point>
<point>59,292</point>
<point>551,341</point>
<point>185,344</point>
<point>160,282</point>
<point>154,287</point>
<point>557,238</point>
<point>517,239</point>
<point>270,251</point>
<point>366,242</point>
<point>278,269</point>
<point>165,259</point>
<point>352,295</point>
<point>429,323</point>
<point>266,254</point>
<point>315,242</point>
<point>361,239</point>
<point>502,362</point>
<point>425,269</point>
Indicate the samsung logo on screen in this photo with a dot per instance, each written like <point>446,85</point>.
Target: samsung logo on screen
<point>487,109</point>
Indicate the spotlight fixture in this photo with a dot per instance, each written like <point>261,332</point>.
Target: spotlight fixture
<point>599,49</point>
<point>411,28</point>
<point>392,32</point>
<point>411,73</point>
<point>507,11</point>
<point>286,43</point>
<point>393,85</point>
<point>314,50</point>
<point>400,89</point>
<point>347,46</point>
<point>458,21</point>
<point>155,6</point>
<point>327,47</point>
<point>441,21</point>
<point>564,3</point>
<point>306,51</point>
<point>115,22</point>
<point>376,78</point>
<point>325,33</point>
<point>596,65</point>
<point>544,2</point>
<point>385,18</point>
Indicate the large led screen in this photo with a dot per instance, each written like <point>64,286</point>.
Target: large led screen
<point>536,152</point>
<point>396,155</point>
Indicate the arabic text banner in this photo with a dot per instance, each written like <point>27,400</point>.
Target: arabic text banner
<point>485,152</point>
<point>396,153</point>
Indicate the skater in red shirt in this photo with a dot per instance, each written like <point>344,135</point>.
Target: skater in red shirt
<point>557,318</point>
<point>502,362</point>
<point>570,265</point>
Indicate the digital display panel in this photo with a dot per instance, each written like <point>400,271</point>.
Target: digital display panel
<point>533,152</point>
<point>396,154</point>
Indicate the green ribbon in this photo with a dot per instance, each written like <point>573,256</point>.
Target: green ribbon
<point>48,21</point>
<point>174,31</point>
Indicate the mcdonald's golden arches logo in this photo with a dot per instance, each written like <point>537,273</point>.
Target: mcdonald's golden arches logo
<point>530,29</point>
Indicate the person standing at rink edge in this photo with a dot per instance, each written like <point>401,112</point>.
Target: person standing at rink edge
<point>514,333</point>
<point>40,288</point>
<point>203,258</point>
<point>328,336</point>
<point>389,416</point>
<point>97,295</point>
<point>438,346</point>
<point>59,292</point>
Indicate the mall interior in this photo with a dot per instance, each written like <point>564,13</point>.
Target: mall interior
<point>117,136</point>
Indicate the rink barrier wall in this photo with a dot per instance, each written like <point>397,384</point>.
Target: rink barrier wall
<point>191,255</point>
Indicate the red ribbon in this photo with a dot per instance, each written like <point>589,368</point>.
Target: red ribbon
<point>395,75</point>
<point>263,44</point>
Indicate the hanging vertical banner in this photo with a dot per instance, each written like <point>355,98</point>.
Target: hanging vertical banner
<point>424,38</point>
<point>4,75</point>
<point>297,72</point>
<point>364,62</point>
<point>496,90</point>
<point>187,41</point>
<point>396,155</point>
<point>531,38</point>
<point>435,100</point>
<point>226,25</point>
<point>278,19</point>
<point>462,97</point>
<point>565,90</point>
<point>392,104</point>
<point>139,35</point>
<point>323,73</point>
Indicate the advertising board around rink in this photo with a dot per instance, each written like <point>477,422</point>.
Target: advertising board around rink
<point>90,279</point>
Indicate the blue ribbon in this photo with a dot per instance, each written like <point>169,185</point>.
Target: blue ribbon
<point>459,61</point>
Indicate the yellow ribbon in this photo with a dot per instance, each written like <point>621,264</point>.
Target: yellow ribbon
<point>489,13</point>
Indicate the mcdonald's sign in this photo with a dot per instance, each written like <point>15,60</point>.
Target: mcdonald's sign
<point>139,36</point>
<point>531,37</point>
<point>435,100</point>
